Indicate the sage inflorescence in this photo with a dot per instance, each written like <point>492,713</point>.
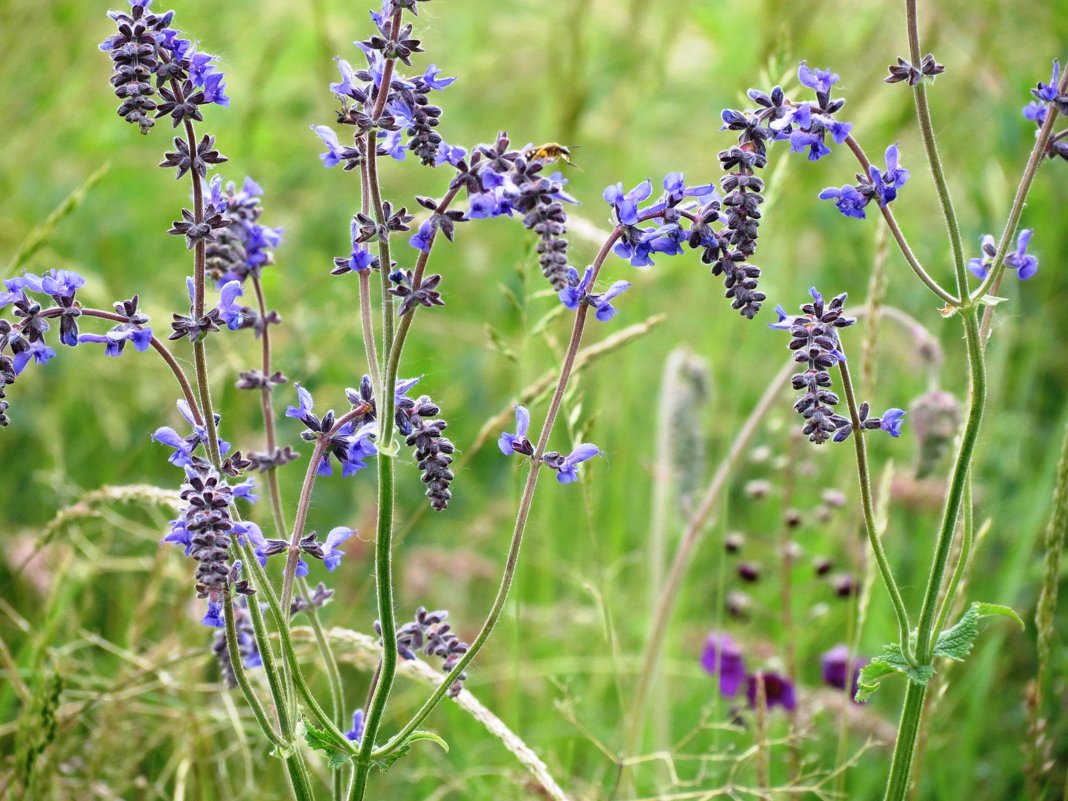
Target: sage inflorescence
<point>250,563</point>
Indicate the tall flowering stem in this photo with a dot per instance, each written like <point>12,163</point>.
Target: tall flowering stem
<point>868,505</point>
<point>519,529</point>
<point>934,160</point>
<point>992,282</point>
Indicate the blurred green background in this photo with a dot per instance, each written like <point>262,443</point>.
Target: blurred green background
<point>638,87</point>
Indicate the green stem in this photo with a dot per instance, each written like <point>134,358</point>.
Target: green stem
<point>519,529</point>
<point>992,282</point>
<point>386,615</point>
<point>934,160</point>
<point>967,538</point>
<point>298,775</point>
<point>238,666</point>
<point>908,730</point>
<point>976,403</point>
<point>898,234</point>
<point>868,505</point>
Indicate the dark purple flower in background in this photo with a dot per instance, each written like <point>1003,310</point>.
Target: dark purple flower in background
<point>517,442</point>
<point>834,667</point>
<point>778,690</point>
<point>721,655</point>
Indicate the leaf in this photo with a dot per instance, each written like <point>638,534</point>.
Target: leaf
<point>422,734</point>
<point>891,660</point>
<point>322,740</point>
<point>387,762</point>
<point>956,642</point>
<point>992,610</point>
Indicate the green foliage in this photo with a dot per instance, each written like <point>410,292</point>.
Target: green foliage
<point>954,643</point>
<point>323,741</point>
<point>388,761</point>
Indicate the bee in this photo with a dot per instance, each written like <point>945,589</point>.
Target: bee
<point>550,151</point>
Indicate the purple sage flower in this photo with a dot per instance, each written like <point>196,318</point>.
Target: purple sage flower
<point>517,442</point>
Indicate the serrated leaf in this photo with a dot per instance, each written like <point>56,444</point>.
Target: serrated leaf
<point>891,660</point>
<point>956,642</point>
<point>323,741</point>
<point>387,762</point>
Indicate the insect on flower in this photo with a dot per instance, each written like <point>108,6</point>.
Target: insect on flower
<point>550,151</point>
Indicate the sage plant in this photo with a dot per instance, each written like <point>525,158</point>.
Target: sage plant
<point>387,108</point>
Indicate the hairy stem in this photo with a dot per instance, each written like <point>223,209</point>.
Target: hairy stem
<point>868,505</point>
<point>899,236</point>
<point>934,160</point>
<point>522,515</point>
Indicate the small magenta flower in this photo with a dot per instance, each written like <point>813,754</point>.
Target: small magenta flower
<point>626,203</point>
<point>778,690</point>
<point>331,552</point>
<point>566,467</point>
<point>517,442</point>
<point>722,655</point>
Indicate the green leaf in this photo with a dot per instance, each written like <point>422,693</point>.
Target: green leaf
<point>321,740</point>
<point>891,660</point>
<point>992,610</point>
<point>387,762</point>
<point>956,642</point>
